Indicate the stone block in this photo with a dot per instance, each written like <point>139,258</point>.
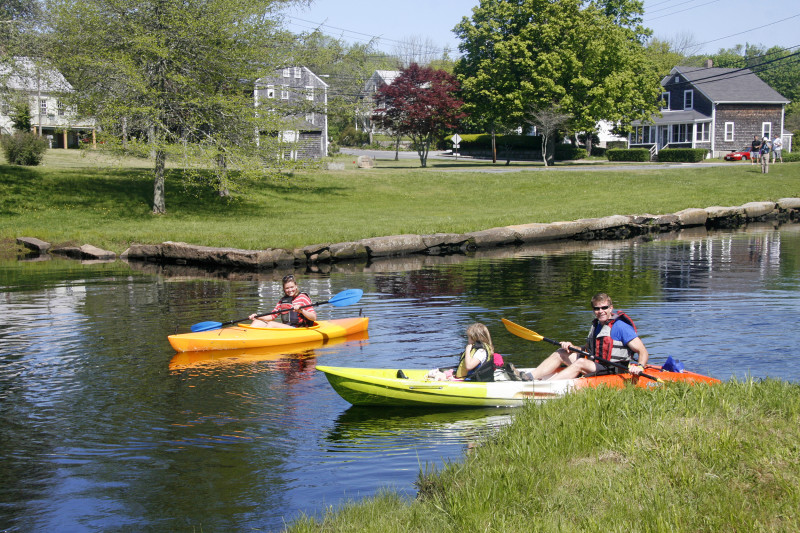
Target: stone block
<point>32,243</point>
<point>393,245</point>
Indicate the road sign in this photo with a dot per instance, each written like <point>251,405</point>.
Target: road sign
<point>456,138</point>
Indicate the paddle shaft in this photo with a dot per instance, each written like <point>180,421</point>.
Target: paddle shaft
<point>281,312</point>
<point>596,360</point>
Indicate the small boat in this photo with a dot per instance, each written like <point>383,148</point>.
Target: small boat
<point>377,386</point>
<point>245,336</point>
<point>183,360</point>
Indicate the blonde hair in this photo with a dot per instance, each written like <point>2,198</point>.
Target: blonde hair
<point>477,332</point>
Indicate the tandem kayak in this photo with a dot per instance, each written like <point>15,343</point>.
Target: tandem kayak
<point>245,336</point>
<point>377,386</point>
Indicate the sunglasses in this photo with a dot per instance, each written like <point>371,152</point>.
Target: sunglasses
<point>288,277</point>
<point>599,307</point>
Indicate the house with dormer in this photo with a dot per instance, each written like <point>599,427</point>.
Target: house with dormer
<point>44,90</point>
<point>302,97</point>
<point>716,109</point>
<point>368,100</point>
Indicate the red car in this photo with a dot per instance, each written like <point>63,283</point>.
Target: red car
<point>735,155</point>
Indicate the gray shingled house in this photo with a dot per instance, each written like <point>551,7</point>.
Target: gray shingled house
<point>719,109</point>
<point>302,97</point>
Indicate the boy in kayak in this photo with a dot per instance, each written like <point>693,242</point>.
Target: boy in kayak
<point>291,309</point>
<point>612,337</point>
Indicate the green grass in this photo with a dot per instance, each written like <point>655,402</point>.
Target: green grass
<point>679,458</point>
<point>76,198</point>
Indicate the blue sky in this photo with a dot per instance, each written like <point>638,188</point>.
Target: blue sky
<point>713,24</point>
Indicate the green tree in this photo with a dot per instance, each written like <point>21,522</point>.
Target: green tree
<point>176,76</point>
<point>538,54</point>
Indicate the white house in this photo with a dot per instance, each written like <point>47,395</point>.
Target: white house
<point>44,88</point>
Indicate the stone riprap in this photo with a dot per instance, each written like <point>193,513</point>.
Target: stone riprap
<point>612,227</point>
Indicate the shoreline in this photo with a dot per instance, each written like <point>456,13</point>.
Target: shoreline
<point>312,257</point>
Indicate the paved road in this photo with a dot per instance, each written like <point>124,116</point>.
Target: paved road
<point>501,168</point>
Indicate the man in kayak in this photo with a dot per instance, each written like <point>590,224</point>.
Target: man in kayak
<point>612,337</point>
<point>291,309</point>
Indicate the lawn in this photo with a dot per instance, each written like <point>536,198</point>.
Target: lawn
<point>86,197</point>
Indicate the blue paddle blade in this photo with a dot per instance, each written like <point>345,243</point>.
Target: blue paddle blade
<point>346,297</point>
<point>205,326</point>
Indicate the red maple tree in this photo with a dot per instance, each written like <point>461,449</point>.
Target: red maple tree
<point>421,103</point>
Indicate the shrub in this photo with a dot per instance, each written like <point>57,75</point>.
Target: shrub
<point>617,144</point>
<point>351,137</point>
<point>597,151</point>
<point>484,141</point>
<point>790,157</point>
<point>630,154</point>
<point>24,148</point>
<point>568,152</point>
<point>682,155</point>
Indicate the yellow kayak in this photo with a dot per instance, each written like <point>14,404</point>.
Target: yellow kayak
<point>245,336</point>
<point>379,386</point>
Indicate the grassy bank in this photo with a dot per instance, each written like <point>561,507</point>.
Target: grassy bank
<point>679,458</point>
<point>75,199</point>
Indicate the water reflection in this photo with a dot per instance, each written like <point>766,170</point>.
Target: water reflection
<point>104,427</point>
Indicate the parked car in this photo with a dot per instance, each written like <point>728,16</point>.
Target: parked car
<point>738,155</point>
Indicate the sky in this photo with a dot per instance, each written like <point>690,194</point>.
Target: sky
<point>711,24</point>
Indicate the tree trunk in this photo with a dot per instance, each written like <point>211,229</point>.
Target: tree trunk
<point>545,139</point>
<point>494,147</point>
<point>551,150</point>
<point>159,202</point>
<point>222,164</point>
<point>397,148</point>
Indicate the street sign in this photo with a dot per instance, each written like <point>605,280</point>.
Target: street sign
<point>456,138</point>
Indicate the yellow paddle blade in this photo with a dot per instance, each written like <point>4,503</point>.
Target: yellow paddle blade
<point>520,331</point>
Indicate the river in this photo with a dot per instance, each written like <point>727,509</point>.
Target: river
<point>105,428</point>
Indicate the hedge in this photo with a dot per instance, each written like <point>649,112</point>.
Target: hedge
<point>483,141</point>
<point>630,154</point>
<point>682,155</point>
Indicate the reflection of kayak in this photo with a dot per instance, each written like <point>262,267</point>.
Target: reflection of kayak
<point>243,336</point>
<point>375,386</point>
<point>263,353</point>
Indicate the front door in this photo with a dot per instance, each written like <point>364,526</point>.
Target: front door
<point>663,136</point>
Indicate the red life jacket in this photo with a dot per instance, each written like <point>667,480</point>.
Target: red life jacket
<point>603,346</point>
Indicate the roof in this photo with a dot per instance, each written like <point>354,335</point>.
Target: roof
<point>727,85</point>
<point>675,117</point>
<point>25,75</point>
<point>380,78</point>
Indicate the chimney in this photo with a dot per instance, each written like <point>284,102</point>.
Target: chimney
<point>709,63</point>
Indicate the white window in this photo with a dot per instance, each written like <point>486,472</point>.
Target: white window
<point>702,132</point>
<point>270,91</point>
<point>310,93</point>
<point>298,71</point>
<point>688,99</point>
<point>766,130</point>
<point>43,107</point>
<point>284,92</point>
<point>729,131</point>
<point>681,133</point>
<point>5,109</point>
<point>664,100</point>
<point>310,118</point>
<point>287,72</point>
<point>60,107</point>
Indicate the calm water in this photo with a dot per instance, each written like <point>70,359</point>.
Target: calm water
<point>104,428</point>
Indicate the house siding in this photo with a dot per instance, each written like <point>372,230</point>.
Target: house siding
<point>747,120</point>
<point>306,97</point>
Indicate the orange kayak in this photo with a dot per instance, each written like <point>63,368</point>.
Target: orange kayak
<point>244,336</point>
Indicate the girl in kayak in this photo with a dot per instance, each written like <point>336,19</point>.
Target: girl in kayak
<point>291,309</point>
<point>479,348</point>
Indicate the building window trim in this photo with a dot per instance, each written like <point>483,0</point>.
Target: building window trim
<point>766,130</point>
<point>730,129</point>
<point>665,100</point>
<point>688,99</point>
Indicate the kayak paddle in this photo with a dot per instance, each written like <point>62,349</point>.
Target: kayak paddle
<point>346,297</point>
<point>525,333</point>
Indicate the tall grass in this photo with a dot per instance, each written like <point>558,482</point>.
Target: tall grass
<point>677,458</point>
<point>79,199</point>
